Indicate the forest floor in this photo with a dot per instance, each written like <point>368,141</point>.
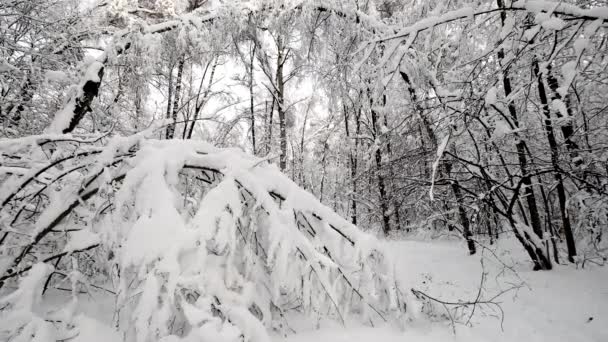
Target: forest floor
<point>565,304</point>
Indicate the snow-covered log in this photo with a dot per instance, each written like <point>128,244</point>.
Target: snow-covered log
<point>213,241</point>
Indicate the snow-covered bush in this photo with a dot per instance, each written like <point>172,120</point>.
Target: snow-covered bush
<point>193,242</point>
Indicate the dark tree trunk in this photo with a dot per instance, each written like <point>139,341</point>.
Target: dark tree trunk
<point>520,146</point>
<point>251,104</point>
<point>352,156</point>
<point>568,127</point>
<point>464,220</point>
<point>541,260</point>
<point>169,98</point>
<point>462,213</point>
<point>199,106</point>
<point>83,101</point>
<point>389,152</point>
<point>386,218</point>
<point>561,191</point>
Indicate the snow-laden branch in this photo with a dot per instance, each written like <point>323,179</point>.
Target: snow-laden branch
<point>403,38</point>
<point>222,239</point>
<point>79,101</point>
<point>82,94</point>
<point>533,6</point>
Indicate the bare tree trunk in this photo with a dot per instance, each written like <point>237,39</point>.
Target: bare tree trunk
<point>281,104</point>
<point>539,258</point>
<point>521,156</point>
<point>568,127</point>
<point>523,165</point>
<point>80,101</point>
<point>464,220</point>
<point>139,107</point>
<point>169,98</point>
<point>269,125</point>
<point>549,226</point>
<point>323,171</point>
<point>386,218</point>
<point>462,213</point>
<point>352,156</point>
<point>520,146</point>
<point>561,192</point>
<point>178,89</point>
<point>200,105</point>
<point>251,105</point>
<point>302,139</point>
<point>389,152</point>
<point>419,110</point>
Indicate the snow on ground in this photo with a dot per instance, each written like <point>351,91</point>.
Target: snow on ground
<point>564,304</point>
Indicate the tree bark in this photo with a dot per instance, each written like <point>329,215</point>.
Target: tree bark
<point>386,218</point>
<point>464,220</point>
<point>352,156</point>
<point>561,192</point>
<point>251,104</point>
<point>199,106</point>
<point>178,88</point>
<point>521,151</point>
<point>82,102</point>
<point>169,98</point>
<point>389,152</point>
<point>281,104</point>
<point>269,124</point>
<point>567,128</point>
<point>462,213</point>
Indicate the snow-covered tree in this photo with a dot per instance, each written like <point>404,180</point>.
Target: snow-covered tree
<point>119,171</point>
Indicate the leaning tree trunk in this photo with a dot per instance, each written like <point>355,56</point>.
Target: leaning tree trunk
<point>199,106</point>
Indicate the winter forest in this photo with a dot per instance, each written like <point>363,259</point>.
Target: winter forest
<point>303,170</point>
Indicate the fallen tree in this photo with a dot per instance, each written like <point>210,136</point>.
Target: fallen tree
<point>190,241</point>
